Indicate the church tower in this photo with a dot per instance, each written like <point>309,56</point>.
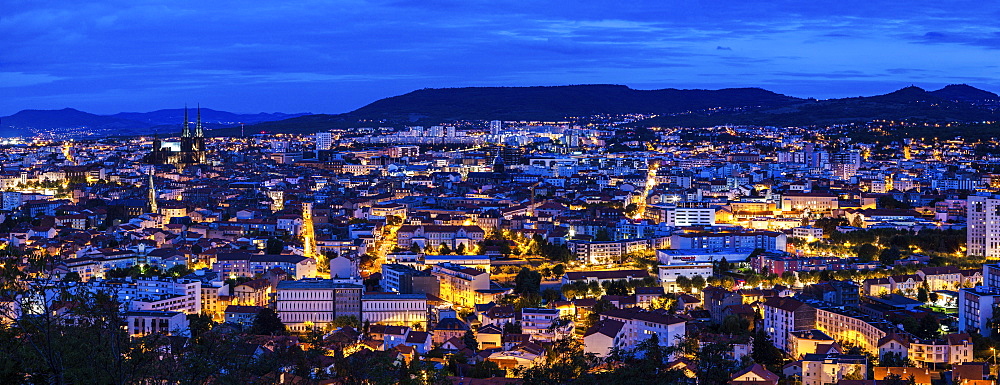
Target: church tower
<point>499,167</point>
<point>198,133</point>
<point>152,195</point>
<point>186,132</point>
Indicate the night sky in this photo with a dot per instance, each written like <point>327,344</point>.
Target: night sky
<point>334,56</point>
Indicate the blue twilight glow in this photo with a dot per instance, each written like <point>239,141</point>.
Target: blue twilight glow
<point>334,56</point>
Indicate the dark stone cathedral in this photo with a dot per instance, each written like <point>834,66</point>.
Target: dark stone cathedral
<point>189,151</point>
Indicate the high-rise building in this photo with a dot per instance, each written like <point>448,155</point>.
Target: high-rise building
<point>845,164</point>
<point>495,127</point>
<point>324,141</point>
<point>983,236</point>
<point>976,304</point>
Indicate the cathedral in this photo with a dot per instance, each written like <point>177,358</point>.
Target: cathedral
<point>190,150</point>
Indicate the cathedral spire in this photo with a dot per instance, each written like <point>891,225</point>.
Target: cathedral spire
<point>186,132</point>
<point>152,194</point>
<point>198,133</point>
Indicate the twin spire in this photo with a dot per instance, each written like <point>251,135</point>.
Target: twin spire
<point>198,131</point>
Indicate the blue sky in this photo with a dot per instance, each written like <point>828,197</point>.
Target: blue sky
<point>334,56</point>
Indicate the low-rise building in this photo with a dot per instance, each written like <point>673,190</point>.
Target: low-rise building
<point>395,309</point>
<point>306,304</point>
<point>626,328</point>
<point>140,323</point>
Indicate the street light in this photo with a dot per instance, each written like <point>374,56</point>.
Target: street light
<point>994,350</point>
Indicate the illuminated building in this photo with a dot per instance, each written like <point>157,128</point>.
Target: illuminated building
<point>189,151</point>
<point>394,309</point>
<point>309,303</point>
<point>983,239</point>
<point>459,284</point>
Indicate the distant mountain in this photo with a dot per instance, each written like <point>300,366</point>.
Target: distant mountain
<point>78,123</point>
<point>29,121</point>
<point>437,105</point>
<point>950,104</point>
<point>693,108</point>
<point>675,107</point>
<point>965,93</point>
<point>552,103</point>
<point>175,116</point>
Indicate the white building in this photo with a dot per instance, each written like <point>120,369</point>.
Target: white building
<point>312,303</point>
<point>767,240</point>
<point>538,323</point>
<point>495,127</point>
<point>983,237</point>
<point>394,309</point>
<point>140,323</point>
<point>324,140</point>
<point>676,256</point>
<point>165,294</point>
<point>807,232</point>
<point>689,216</point>
<point>783,315</point>
<point>480,262</point>
<point>820,369</point>
<point>669,273</point>
<point>975,305</point>
<point>626,328</point>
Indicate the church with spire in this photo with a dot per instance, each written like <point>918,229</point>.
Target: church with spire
<point>190,150</point>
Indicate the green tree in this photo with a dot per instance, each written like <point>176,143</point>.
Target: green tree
<point>274,246</point>
<point>267,323</point>
<point>601,306</point>
<point>444,250</point>
<point>889,256</point>
<point>550,295</point>
<point>179,271</point>
<point>929,327</point>
<point>558,253</point>
<point>72,277</point>
<point>559,270</point>
<point>602,235</point>
<point>722,266</point>
<point>765,353</point>
<point>684,283</point>
<point>698,282</point>
<point>893,359</point>
<point>487,369</point>
<point>469,339</point>
<point>461,249</point>
<point>564,363</point>
<point>346,321</point>
<point>527,281</point>
<point>735,325</point>
<point>895,379</point>
<point>889,202</point>
<point>867,252</point>
<point>922,295</point>
<point>512,328</point>
<point>200,324</point>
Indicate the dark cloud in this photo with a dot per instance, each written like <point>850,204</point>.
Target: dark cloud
<point>987,39</point>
